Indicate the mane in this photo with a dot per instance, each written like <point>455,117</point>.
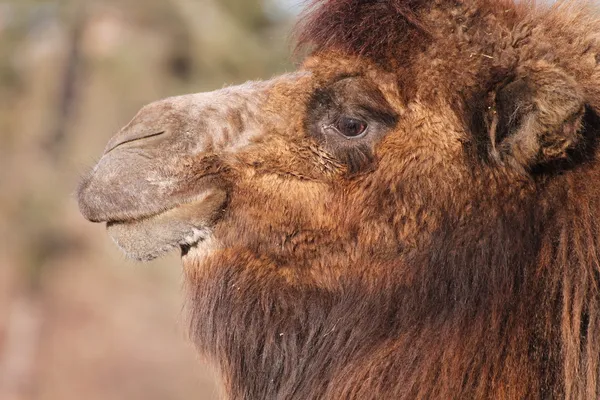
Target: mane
<point>503,305</point>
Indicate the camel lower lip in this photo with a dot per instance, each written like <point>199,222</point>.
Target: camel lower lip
<point>150,237</point>
<point>194,236</point>
<point>146,237</point>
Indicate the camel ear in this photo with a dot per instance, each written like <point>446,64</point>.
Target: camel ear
<point>536,117</point>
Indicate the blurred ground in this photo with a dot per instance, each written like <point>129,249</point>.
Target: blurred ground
<point>77,320</point>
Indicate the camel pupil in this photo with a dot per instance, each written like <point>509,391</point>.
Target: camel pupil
<point>351,127</point>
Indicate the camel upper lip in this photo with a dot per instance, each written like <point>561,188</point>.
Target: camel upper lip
<point>99,208</point>
<point>91,209</point>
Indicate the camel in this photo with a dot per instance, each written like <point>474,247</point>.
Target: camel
<point>414,213</point>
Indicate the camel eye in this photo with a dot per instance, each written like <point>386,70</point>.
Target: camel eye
<point>351,127</point>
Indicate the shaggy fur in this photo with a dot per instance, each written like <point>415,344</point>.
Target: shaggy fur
<point>380,30</point>
<point>496,293</point>
<point>451,252</point>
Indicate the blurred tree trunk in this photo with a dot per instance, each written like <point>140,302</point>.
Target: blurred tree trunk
<point>67,96</point>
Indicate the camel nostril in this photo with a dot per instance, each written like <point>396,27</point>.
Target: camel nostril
<point>128,138</point>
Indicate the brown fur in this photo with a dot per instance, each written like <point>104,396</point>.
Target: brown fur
<point>494,291</point>
<point>452,253</point>
<point>384,31</point>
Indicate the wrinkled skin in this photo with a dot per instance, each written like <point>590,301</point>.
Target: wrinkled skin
<point>423,228</point>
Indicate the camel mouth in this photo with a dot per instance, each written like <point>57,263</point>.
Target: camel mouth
<point>144,240</point>
<point>180,227</point>
<point>132,220</point>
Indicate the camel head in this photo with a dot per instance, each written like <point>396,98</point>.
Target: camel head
<point>370,119</point>
<point>424,152</point>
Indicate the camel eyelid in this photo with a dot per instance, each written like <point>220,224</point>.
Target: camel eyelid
<point>334,128</point>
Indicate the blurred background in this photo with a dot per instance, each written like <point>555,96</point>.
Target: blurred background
<point>77,319</point>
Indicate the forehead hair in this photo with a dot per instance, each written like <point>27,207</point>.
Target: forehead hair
<point>377,30</point>
<point>387,32</point>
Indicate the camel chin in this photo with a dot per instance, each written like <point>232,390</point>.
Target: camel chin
<point>183,226</point>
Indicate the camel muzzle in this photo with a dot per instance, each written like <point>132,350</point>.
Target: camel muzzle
<point>154,183</point>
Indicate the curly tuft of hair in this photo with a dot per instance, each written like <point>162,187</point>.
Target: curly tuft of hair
<point>374,29</point>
